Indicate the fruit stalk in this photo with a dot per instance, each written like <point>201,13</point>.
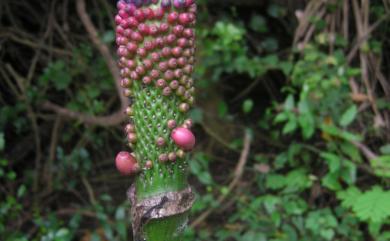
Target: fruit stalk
<point>156,46</point>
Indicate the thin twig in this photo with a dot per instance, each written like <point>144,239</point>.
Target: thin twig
<point>238,172</point>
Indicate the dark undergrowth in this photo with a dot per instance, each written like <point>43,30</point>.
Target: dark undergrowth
<point>292,122</point>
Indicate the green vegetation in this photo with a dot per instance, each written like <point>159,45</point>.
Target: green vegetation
<point>292,121</point>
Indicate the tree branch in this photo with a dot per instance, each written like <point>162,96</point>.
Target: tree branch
<point>109,120</point>
<point>103,49</point>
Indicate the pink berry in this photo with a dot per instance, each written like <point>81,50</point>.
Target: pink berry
<point>144,29</point>
<point>125,82</point>
<point>178,29</point>
<point>184,18</point>
<point>140,70</point>
<point>118,19</point>
<point>177,51</point>
<point>159,13</point>
<point>148,13</point>
<point>182,42</point>
<point>142,52</point>
<point>181,61</point>
<point>172,63</point>
<point>119,30</point>
<point>132,137</point>
<point>169,75</point>
<point>129,128</point>
<point>166,52</point>
<point>136,36</point>
<point>170,38</point>
<point>188,32</point>
<point>163,157</point>
<point>132,22</point>
<point>126,163</point>
<point>183,138</point>
<point>163,66</point>
<point>172,156</point>
<point>160,42</point>
<point>147,63</point>
<point>139,15</point>
<point>163,27</point>
<point>174,84</point>
<point>155,57</point>
<point>173,17</point>
<point>121,5</point>
<point>147,80</point>
<point>154,73</point>
<point>160,83</point>
<point>131,64</point>
<point>132,47</point>
<point>123,14</point>
<point>171,124</point>
<point>160,141</point>
<point>167,91</point>
<point>153,30</point>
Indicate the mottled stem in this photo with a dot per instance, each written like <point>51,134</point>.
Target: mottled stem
<point>155,41</point>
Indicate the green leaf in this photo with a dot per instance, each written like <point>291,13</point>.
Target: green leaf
<point>247,106</point>
<point>291,126</point>
<point>297,180</point>
<point>332,160</point>
<point>258,24</point>
<point>2,141</point>
<point>331,181</point>
<point>348,116</point>
<point>306,122</point>
<point>275,181</point>
<point>373,206</point>
<point>289,103</point>
<point>108,37</point>
<point>21,191</point>
<point>349,196</point>
<point>385,149</point>
<point>381,166</point>
<point>196,114</point>
<point>222,109</point>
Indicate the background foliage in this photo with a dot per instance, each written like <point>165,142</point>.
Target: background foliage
<point>292,122</point>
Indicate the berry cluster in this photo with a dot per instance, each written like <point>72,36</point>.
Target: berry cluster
<point>156,46</point>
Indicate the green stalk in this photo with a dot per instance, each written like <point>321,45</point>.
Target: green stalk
<point>161,197</point>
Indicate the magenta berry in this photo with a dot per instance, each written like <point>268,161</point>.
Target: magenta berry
<point>183,138</point>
